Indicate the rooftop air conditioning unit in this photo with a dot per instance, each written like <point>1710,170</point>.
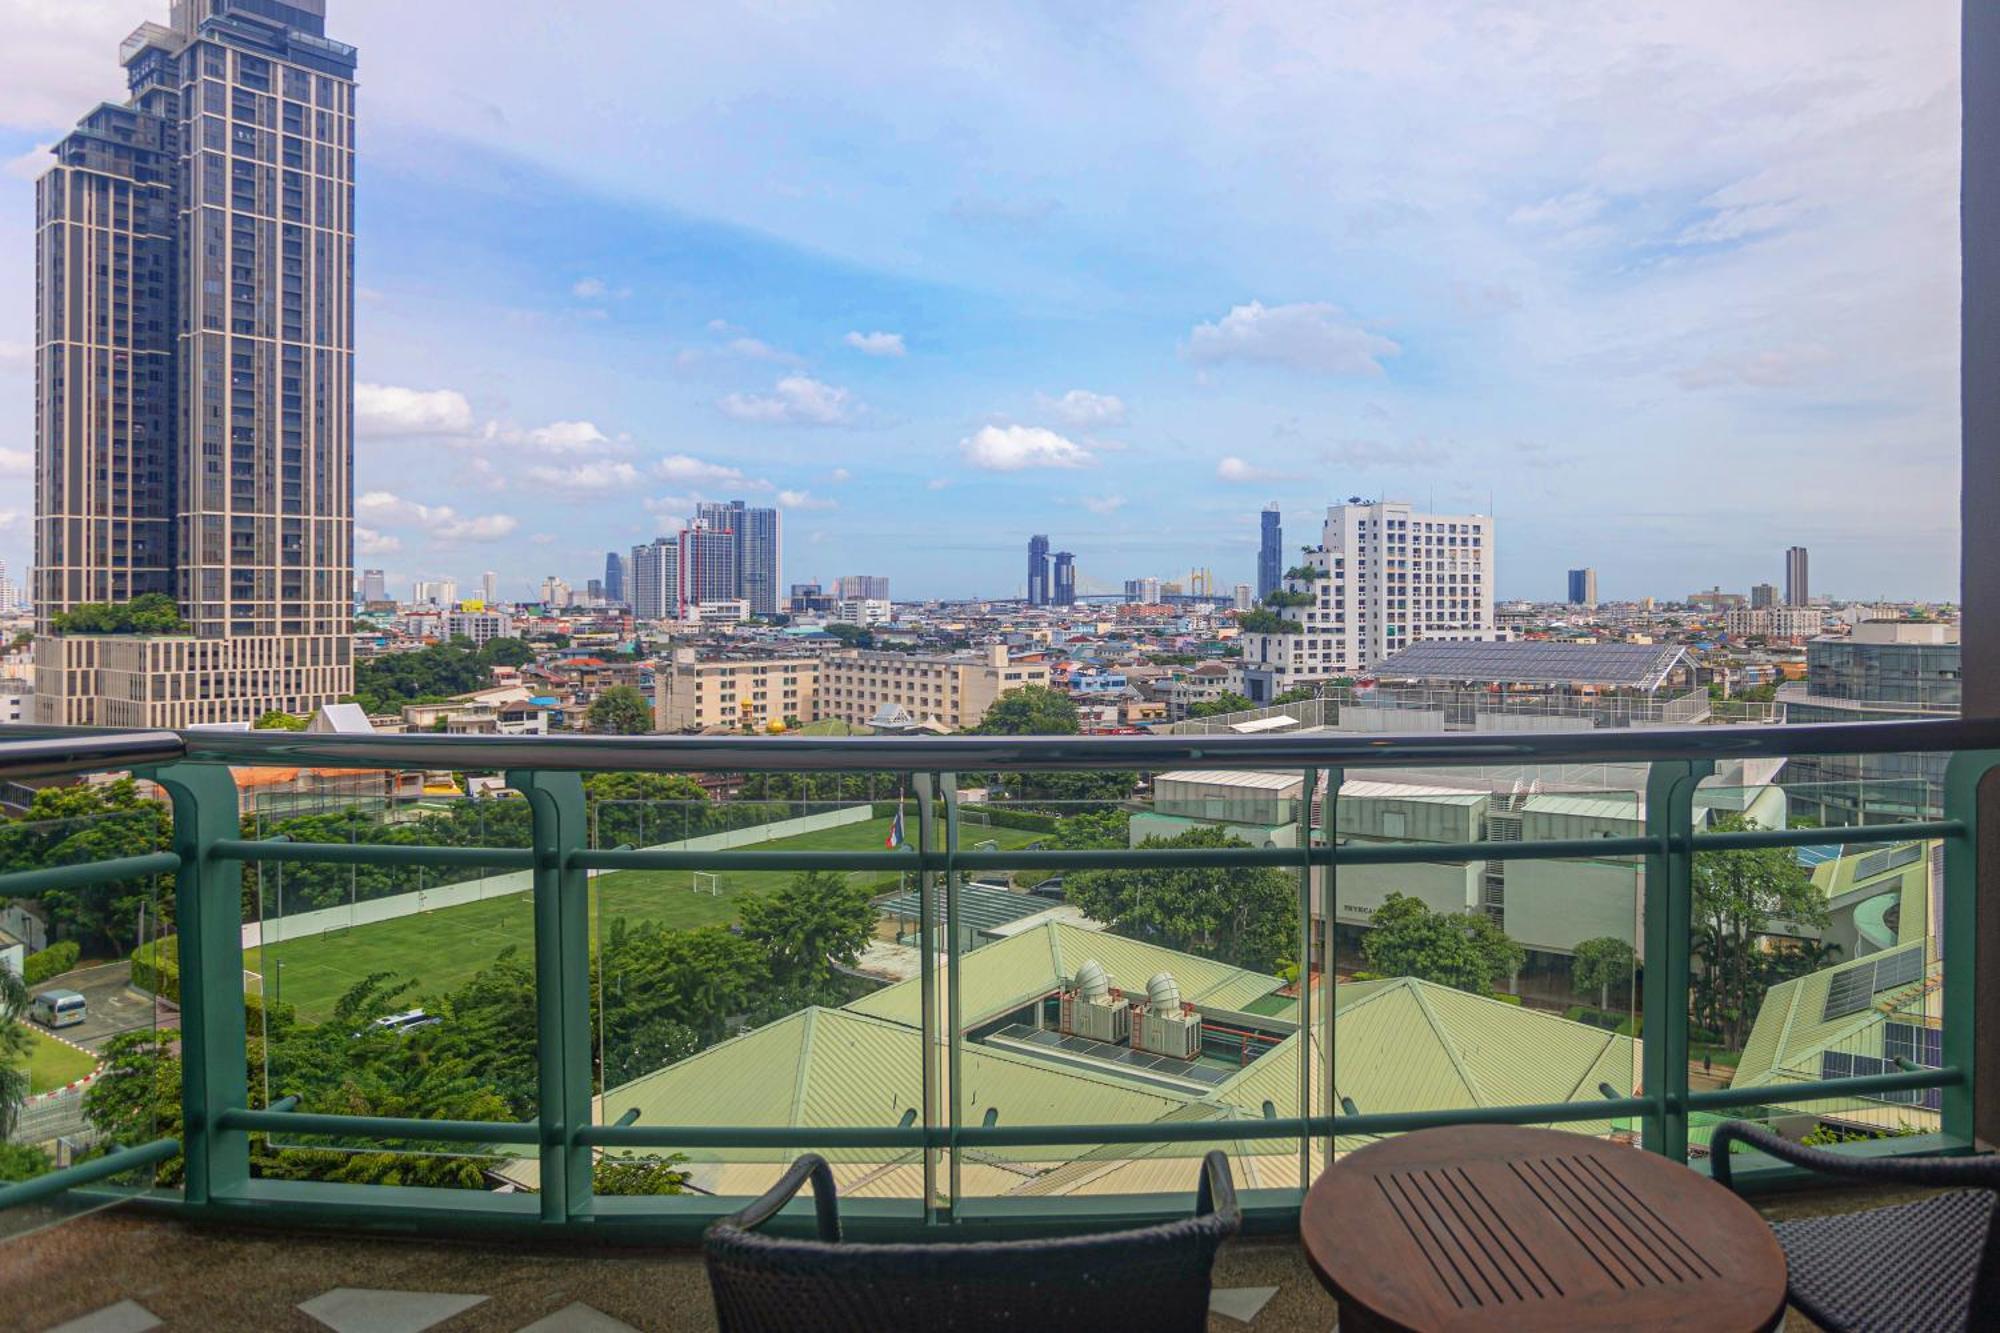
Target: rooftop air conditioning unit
<point>1091,1008</point>
<point>1164,1025</point>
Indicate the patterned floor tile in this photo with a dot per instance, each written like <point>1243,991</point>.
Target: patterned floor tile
<point>124,1317</point>
<point>579,1318</point>
<point>362,1310</point>
<point>1239,1303</point>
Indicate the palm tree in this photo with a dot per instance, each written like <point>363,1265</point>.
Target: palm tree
<point>15,1043</point>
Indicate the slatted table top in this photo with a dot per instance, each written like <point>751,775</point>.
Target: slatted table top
<point>1491,1227</point>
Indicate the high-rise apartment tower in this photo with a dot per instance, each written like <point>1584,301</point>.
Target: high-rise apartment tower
<point>194,352</point>
<point>1065,579</point>
<point>1798,587</point>
<point>1270,552</point>
<point>1583,587</point>
<point>1038,570</point>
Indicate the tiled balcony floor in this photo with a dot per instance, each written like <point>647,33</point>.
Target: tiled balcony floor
<point>216,1280</point>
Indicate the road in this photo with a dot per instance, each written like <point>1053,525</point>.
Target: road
<point>114,1006</point>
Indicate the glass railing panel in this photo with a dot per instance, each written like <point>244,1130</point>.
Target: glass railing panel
<point>398,989</point>
<point>87,1034</point>
<point>729,996</point>
<point>1826,959</point>
<point>1161,996</point>
<point>1476,976</point>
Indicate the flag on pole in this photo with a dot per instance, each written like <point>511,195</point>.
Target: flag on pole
<point>896,825</point>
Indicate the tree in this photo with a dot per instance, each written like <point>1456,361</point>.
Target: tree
<point>1297,695</point>
<point>639,1175</point>
<point>1603,962</point>
<point>1032,710</point>
<point>1227,702</point>
<point>15,1043</point>
<point>1739,897</point>
<point>1247,917</point>
<point>1463,950</point>
<point>148,613</point>
<point>384,684</point>
<point>87,823</point>
<point>620,710</point>
<point>276,720</point>
<point>1093,830</point>
<point>1264,621</point>
<point>814,925</point>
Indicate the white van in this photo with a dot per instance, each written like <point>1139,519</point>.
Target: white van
<point>59,1008</point>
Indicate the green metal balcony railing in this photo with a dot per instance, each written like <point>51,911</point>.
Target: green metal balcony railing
<point>209,854</point>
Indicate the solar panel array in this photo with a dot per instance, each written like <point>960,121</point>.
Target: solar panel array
<point>1850,991</point>
<point>1126,1056</point>
<point>1533,662</point>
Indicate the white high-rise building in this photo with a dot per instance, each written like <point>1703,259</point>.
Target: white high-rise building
<point>489,587</point>
<point>1388,576</point>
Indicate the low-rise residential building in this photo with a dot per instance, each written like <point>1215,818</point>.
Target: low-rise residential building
<point>1776,622</point>
<point>954,689</point>
<point>478,626</point>
<point>693,693</point>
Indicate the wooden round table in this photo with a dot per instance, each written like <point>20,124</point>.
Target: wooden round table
<point>1500,1227</point>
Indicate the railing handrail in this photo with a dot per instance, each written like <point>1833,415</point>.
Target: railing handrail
<point>80,750</point>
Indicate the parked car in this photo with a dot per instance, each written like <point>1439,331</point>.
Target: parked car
<point>1052,887</point>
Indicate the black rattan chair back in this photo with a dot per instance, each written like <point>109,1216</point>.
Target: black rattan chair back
<point>1154,1279</point>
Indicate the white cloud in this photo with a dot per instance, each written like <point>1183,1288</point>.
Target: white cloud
<point>590,289</point>
<point>31,164</point>
<point>840,476</point>
<point>367,541</point>
<point>756,349</point>
<point>805,500</point>
<point>796,400</point>
<point>1235,469</point>
<point>385,411</point>
<point>686,468</point>
<point>558,437</point>
<point>938,484</point>
<point>671,506</point>
<point>1104,504</point>
<point>876,344</point>
<point>16,462</point>
<point>440,521</point>
<point>12,353</point>
<point>1084,409</point>
<point>1560,212</point>
<point>1012,448</point>
<point>1308,335</point>
<point>587,478</point>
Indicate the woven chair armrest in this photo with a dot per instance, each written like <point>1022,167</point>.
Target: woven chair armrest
<point>1922,1172</point>
<point>826,1206</point>
<point>1217,1191</point>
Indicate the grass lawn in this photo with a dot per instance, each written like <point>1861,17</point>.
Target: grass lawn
<point>52,1064</point>
<point>443,949</point>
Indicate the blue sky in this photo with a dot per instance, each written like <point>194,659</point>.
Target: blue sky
<point>1667,291</point>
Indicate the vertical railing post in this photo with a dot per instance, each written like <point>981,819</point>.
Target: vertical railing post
<point>954,1029</point>
<point>1669,937</point>
<point>1959,1041</point>
<point>1307,780</point>
<point>1329,828</point>
<point>208,921</point>
<point>926,790</point>
<point>562,987</point>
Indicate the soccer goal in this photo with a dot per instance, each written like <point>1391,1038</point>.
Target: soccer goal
<point>708,882</point>
<point>253,983</point>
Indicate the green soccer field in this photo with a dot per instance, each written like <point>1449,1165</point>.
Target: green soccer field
<point>443,949</point>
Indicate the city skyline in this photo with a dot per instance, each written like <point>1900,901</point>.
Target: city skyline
<point>937,342</point>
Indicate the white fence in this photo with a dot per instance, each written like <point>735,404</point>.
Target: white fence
<point>300,925</point>
<point>53,1115</point>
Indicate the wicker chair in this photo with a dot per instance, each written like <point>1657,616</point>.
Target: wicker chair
<point>1929,1265</point>
<point>1154,1279</point>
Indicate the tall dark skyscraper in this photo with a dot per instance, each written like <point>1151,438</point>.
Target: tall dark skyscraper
<point>194,344</point>
<point>1065,584</point>
<point>1583,587</point>
<point>1038,570</point>
<point>614,578</point>
<point>1270,553</point>
<point>1798,587</point>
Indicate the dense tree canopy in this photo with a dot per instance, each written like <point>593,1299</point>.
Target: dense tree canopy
<point>1740,896</point>
<point>1463,950</point>
<point>1245,917</point>
<point>276,720</point>
<point>92,822</point>
<point>1033,710</point>
<point>620,711</point>
<point>148,613</point>
<point>384,684</point>
<point>1227,702</point>
<point>1601,964</point>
